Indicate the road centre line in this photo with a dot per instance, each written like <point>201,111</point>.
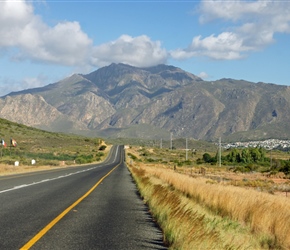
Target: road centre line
<point>42,232</point>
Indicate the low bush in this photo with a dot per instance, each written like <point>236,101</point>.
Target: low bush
<point>82,159</point>
<point>133,157</point>
<point>102,148</point>
<point>99,154</point>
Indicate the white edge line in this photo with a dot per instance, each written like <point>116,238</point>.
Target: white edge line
<point>58,177</point>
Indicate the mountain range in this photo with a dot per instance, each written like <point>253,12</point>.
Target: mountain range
<point>120,100</point>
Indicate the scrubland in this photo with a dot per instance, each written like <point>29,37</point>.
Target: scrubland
<point>42,163</point>
<point>217,210</point>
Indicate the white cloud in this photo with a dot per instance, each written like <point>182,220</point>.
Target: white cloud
<point>203,75</point>
<point>34,82</point>
<point>252,26</point>
<point>14,17</point>
<point>27,37</point>
<point>232,10</point>
<point>20,28</point>
<point>225,46</point>
<point>137,51</point>
<point>64,43</point>
<point>9,85</point>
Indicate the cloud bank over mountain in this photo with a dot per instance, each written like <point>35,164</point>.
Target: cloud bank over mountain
<point>251,26</point>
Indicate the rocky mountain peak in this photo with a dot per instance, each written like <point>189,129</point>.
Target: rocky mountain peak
<point>115,99</point>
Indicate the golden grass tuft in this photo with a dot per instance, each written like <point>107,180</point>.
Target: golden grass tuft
<point>263,212</point>
<point>186,222</point>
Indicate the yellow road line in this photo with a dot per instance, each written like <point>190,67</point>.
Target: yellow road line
<point>42,232</point>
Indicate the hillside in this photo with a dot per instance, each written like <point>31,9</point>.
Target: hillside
<point>47,148</point>
<point>150,103</point>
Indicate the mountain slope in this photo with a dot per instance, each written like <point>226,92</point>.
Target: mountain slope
<point>114,98</point>
<point>30,105</point>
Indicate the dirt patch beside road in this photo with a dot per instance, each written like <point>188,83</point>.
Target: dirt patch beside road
<point>10,169</point>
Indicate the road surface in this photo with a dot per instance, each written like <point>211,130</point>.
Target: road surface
<point>92,207</point>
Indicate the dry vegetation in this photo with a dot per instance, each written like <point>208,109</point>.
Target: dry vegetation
<point>217,210</point>
<point>46,148</point>
<point>7,169</point>
<point>197,206</point>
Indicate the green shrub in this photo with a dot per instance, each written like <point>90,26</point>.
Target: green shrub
<point>133,157</point>
<point>103,147</point>
<point>82,159</point>
<point>100,154</point>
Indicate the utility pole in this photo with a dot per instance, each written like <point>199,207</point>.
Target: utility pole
<point>220,153</point>
<point>171,140</point>
<point>271,157</point>
<point>186,150</point>
<point>161,143</point>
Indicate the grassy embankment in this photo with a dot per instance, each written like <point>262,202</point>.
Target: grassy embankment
<point>46,148</point>
<point>196,212</point>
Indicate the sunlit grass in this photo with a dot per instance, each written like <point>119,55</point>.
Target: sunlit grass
<point>201,213</point>
<point>186,223</point>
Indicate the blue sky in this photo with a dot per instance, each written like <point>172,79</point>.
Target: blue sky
<point>42,42</point>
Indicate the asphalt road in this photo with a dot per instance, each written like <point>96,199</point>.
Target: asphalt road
<point>93,207</point>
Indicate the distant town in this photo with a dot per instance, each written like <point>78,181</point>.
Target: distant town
<point>267,144</point>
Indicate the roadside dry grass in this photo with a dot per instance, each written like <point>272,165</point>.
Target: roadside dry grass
<point>206,213</point>
<point>10,169</point>
<point>186,223</point>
